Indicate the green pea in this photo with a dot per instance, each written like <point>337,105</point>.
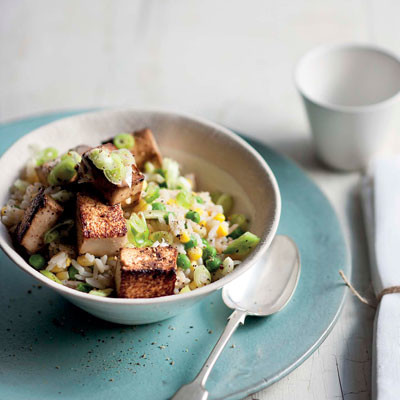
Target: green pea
<point>236,233</point>
<point>84,287</point>
<point>158,206</point>
<point>160,172</point>
<point>193,215</point>
<point>72,271</point>
<point>199,200</point>
<point>183,261</point>
<point>209,252</point>
<point>37,261</point>
<point>191,243</point>
<point>213,263</point>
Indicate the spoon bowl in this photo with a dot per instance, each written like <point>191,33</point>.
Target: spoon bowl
<point>268,285</point>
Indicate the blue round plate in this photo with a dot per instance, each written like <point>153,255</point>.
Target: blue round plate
<point>51,349</point>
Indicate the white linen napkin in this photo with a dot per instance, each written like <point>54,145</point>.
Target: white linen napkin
<point>381,204</point>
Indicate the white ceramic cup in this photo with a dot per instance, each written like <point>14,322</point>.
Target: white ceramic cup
<point>351,94</point>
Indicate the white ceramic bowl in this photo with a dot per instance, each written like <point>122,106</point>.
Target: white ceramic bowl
<point>218,157</point>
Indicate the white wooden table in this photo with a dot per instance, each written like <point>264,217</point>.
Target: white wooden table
<point>230,61</point>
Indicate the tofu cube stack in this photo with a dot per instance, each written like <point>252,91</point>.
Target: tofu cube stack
<point>101,229</point>
<point>100,224</point>
<point>115,194</point>
<point>41,215</point>
<point>146,272</point>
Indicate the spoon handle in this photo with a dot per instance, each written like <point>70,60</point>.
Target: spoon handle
<point>196,389</point>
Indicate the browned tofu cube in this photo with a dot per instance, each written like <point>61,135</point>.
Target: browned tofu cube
<point>101,229</point>
<point>114,194</point>
<point>146,272</point>
<point>146,149</point>
<point>41,215</point>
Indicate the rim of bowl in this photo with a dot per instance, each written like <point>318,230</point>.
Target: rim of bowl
<point>326,48</point>
<point>266,237</point>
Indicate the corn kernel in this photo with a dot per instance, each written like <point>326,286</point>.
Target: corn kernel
<point>57,269</point>
<point>199,211</point>
<point>3,211</point>
<point>220,217</point>
<point>184,237</point>
<point>171,202</point>
<point>203,223</point>
<point>192,285</point>
<point>68,262</point>
<point>62,276</point>
<point>222,230</point>
<point>82,260</point>
<point>141,206</point>
<point>195,253</point>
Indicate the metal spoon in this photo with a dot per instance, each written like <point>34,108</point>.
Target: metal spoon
<point>263,290</point>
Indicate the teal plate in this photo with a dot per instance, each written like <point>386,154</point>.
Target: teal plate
<point>51,349</point>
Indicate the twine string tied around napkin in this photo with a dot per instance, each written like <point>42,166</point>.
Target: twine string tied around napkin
<point>370,303</point>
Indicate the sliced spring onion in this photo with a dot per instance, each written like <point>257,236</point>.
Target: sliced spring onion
<point>153,192</point>
<point>158,206</point>
<point>138,232</point>
<point>21,185</point>
<point>72,155</point>
<point>154,214</point>
<point>149,167</point>
<point>50,275</point>
<point>54,233</point>
<point>242,245</point>
<point>183,183</point>
<point>126,156</point>
<point>226,201</point>
<point>48,154</point>
<point>37,261</point>
<point>101,158</point>
<point>159,236</point>
<point>64,171</point>
<point>62,196</point>
<point>171,170</point>
<point>101,292</point>
<point>185,289</point>
<point>124,141</point>
<point>201,276</point>
<point>239,219</point>
<point>51,236</point>
<point>184,199</point>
